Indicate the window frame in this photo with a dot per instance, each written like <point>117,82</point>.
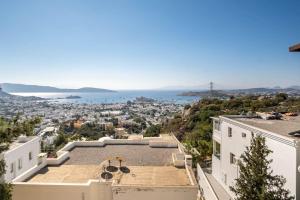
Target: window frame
<point>30,155</point>
<point>244,135</point>
<point>11,167</point>
<point>229,131</point>
<point>20,164</point>
<point>232,158</point>
<point>217,155</point>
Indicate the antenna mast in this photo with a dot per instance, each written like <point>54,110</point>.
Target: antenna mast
<point>211,84</point>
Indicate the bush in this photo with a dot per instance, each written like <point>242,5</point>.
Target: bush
<point>153,131</point>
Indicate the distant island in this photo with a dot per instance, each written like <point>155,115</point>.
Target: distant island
<point>143,100</point>
<point>23,88</point>
<point>73,97</point>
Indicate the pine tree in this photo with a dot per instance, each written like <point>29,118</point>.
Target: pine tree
<point>5,139</point>
<point>256,180</point>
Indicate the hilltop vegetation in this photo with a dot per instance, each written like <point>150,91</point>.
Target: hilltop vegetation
<point>292,91</point>
<point>194,126</point>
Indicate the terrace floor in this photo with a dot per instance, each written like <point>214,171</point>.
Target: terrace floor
<point>67,174</point>
<point>133,155</point>
<point>138,175</point>
<point>149,175</point>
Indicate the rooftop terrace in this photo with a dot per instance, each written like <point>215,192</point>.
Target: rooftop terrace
<point>134,155</point>
<point>67,174</point>
<point>146,165</point>
<point>139,175</point>
<point>282,127</point>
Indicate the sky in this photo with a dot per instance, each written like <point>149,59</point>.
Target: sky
<point>141,44</point>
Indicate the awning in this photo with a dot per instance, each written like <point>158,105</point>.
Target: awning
<point>295,48</point>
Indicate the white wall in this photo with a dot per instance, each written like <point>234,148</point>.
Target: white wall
<point>206,190</point>
<point>236,145</point>
<point>93,190</point>
<point>157,193</point>
<point>284,156</point>
<point>21,152</point>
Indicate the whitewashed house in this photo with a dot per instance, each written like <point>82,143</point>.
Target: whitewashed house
<point>21,156</point>
<point>232,134</point>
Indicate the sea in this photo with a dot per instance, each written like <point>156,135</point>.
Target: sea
<point>116,97</point>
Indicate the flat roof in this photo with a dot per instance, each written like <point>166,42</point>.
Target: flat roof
<point>156,175</point>
<point>67,174</point>
<point>16,143</point>
<point>133,155</point>
<point>295,48</point>
<point>138,175</point>
<point>281,127</point>
<point>146,165</point>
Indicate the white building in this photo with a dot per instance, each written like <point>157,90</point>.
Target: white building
<point>232,134</point>
<point>152,168</point>
<point>21,156</point>
<point>49,134</point>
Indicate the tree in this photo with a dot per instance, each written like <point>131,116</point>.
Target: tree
<point>281,97</point>
<point>60,140</point>
<point>5,191</point>
<point>153,131</point>
<point>10,129</point>
<point>5,139</point>
<point>256,180</point>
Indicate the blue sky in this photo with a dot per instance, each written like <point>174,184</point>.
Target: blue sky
<point>141,44</point>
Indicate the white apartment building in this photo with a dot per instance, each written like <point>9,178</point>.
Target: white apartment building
<point>232,134</point>
<point>21,156</point>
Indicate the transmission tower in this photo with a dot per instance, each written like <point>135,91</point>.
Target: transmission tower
<point>211,84</point>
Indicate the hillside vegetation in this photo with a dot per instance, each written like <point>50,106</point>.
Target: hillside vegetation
<point>193,127</point>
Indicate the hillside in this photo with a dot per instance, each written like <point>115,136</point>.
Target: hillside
<point>193,126</point>
<point>10,97</point>
<point>15,88</point>
<point>205,94</point>
<point>4,94</point>
<point>292,91</point>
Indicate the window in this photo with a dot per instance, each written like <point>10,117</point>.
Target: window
<point>11,167</point>
<point>20,163</point>
<point>217,125</point>
<point>244,135</point>
<point>232,158</point>
<point>229,132</point>
<point>30,155</point>
<point>217,149</point>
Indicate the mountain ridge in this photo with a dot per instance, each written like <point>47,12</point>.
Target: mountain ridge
<point>26,88</point>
